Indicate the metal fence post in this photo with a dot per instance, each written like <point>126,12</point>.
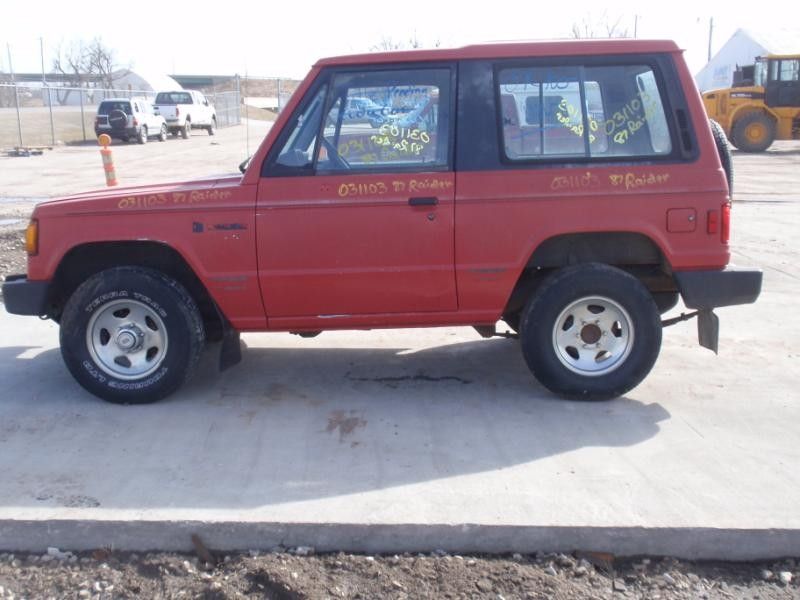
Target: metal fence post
<point>238,100</point>
<point>83,118</point>
<point>19,117</point>
<point>52,124</point>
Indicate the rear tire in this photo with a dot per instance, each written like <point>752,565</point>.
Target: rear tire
<point>590,332</point>
<point>143,135</point>
<point>187,129</point>
<point>212,129</point>
<point>131,335</point>
<point>754,132</point>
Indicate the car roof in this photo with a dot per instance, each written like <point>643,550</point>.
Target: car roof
<point>509,50</point>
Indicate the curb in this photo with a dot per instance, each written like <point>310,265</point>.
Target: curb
<point>689,543</point>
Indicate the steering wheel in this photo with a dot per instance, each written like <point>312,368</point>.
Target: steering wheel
<point>334,156</point>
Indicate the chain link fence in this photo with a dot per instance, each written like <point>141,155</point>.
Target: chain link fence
<point>45,115</point>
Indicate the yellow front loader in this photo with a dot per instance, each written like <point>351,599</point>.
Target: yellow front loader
<point>757,111</point>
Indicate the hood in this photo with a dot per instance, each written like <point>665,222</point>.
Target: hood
<point>141,196</point>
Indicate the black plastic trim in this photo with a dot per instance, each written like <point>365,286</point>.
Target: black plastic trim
<point>23,297</point>
<point>705,290</point>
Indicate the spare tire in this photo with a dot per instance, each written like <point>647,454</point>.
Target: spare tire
<point>118,119</point>
<point>724,151</point>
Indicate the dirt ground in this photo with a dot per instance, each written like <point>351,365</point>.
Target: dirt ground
<point>12,239</point>
<point>285,575</point>
<point>299,573</point>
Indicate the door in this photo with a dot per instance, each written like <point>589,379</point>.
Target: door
<point>355,216</point>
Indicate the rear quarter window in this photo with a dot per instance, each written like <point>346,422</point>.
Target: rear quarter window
<point>574,112</point>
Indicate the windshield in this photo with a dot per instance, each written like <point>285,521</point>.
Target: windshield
<point>174,98</point>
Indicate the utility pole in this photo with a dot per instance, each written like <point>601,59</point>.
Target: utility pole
<point>16,93</point>
<point>49,95</point>
<point>710,34</point>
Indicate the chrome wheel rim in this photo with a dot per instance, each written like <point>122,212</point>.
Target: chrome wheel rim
<point>593,336</point>
<point>127,339</point>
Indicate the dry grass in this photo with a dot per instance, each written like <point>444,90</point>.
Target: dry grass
<point>259,114</point>
<point>36,128</point>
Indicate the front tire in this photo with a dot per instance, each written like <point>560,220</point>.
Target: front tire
<point>187,129</point>
<point>162,134</point>
<point>754,132</point>
<point>591,332</point>
<point>212,129</point>
<point>131,335</point>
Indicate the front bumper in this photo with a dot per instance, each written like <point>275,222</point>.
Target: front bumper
<point>705,290</point>
<point>23,297</point>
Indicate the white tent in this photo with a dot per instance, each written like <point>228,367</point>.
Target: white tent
<point>742,49</point>
<point>144,81</point>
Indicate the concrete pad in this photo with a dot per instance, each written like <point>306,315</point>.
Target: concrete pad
<point>388,441</point>
<point>406,440</point>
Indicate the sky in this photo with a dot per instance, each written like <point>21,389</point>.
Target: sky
<point>283,39</point>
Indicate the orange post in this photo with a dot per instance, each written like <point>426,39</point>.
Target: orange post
<point>108,160</point>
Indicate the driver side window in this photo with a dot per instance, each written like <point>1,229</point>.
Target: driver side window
<point>386,119</point>
<point>298,150</point>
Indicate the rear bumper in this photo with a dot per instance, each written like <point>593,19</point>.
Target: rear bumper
<point>127,132</point>
<point>23,297</point>
<point>706,290</point>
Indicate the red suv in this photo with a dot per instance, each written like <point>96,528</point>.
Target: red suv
<point>572,189</point>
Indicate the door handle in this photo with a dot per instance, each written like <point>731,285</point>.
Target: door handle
<point>427,201</point>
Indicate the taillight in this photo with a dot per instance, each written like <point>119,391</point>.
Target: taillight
<point>135,123</point>
<point>32,238</point>
<point>725,230</point>
<point>177,111</point>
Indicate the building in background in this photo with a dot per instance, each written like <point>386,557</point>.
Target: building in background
<point>144,82</point>
<point>742,49</point>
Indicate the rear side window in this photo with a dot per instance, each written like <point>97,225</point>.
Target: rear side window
<point>174,98</point>
<point>106,108</point>
<point>575,112</point>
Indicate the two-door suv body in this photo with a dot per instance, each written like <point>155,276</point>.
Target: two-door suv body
<point>572,189</point>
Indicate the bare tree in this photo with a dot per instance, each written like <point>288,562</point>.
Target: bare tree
<point>601,27</point>
<point>72,63</point>
<point>387,43</point>
<point>80,62</point>
<point>103,63</point>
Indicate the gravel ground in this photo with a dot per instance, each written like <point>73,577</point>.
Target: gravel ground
<point>296,574</point>
<point>13,219</point>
